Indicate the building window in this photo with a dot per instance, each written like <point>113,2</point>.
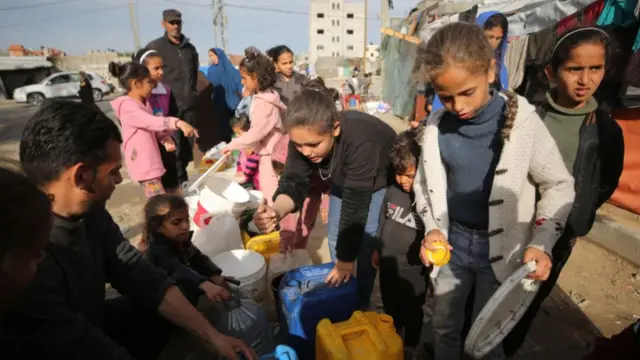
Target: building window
<point>333,23</point>
<point>320,15</point>
<point>349,32</point>
<point>338,22</point>
<point>350,16</point>
<point>337,38</point>
<point>338,6</point>
<point>333,39</point>
<point>320,47</point>
<point>350,47</point>
<point>333,6</point>
<point>320,31</point>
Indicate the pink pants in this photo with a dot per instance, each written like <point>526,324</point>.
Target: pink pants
<point>267,178</point>
<point>296,228</point>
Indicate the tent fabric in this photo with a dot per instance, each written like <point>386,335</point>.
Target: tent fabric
<point>627,195</point>
<point>516,60</point>
<point>545,15</point>
<point>618,12</point>
<point>585,17</point>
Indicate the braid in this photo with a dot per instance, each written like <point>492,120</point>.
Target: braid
<point>510,112</point>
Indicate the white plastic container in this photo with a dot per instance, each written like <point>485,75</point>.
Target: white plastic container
<point>222,234</point>
<point>248,267</point>
<point>281,263</point>
<point>220,195</point>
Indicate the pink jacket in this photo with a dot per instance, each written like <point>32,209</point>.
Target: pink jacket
<point>266,125</point>
<point>141,131</point>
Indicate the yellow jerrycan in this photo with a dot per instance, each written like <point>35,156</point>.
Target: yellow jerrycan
<point>266,245</point>
<point>365,336</point>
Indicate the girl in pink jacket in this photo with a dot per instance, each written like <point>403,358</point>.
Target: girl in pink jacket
<point>258,77</point>
<point>141,130</point>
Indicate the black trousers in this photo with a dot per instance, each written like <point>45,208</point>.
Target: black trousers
<point>403,290</point>
<point>560,253</point>
<point>143,333</point>
<point>184,147</point>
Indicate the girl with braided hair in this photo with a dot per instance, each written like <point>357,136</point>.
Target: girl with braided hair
<point>485,155</point>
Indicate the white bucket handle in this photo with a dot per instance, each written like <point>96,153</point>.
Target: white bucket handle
<point>214,167</point>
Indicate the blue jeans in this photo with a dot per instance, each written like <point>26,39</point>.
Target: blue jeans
<point>365,274</point>
<point>469,266</point>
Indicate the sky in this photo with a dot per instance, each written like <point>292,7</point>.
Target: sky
<point>77,26</point>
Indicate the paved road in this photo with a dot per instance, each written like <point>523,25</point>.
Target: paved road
<point>13,117</point>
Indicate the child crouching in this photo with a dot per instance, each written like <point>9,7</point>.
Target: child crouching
<point>403,277</point>
<point>167,241</point>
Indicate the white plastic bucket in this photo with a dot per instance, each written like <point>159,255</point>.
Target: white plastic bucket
<point>248,267</point>
<point>220,195</point>
<point>256,198</point>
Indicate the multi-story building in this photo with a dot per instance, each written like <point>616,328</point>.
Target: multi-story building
<point>337,29</point>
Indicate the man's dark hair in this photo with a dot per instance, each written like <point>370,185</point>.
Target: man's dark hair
<point>404,152</point>
<point>61,134</point>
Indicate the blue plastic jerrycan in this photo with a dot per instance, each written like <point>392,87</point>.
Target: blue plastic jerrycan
<point>305,299</point>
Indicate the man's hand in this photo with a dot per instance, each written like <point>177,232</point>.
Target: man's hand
<point>433,236</point>
<point>215,293</point>
<point>543,263</point>
<point>265,219</point>
<point>229,348</point>
<point>341,273</point>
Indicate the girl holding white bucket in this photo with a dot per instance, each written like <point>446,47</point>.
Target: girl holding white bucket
<point>348,149</point>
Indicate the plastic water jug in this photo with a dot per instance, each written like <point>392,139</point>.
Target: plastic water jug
<point>365,336</point>
<point>249,268</point>
<point>244,319</point>
<point>222,234</point>
<point>212,155</point>
<point>305,299</point>
<point>266,245</point>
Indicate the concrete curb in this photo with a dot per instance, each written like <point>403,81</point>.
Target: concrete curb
<point>616,237</point>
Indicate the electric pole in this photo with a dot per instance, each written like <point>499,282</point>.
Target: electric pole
<point>214,11</point>
<point>219,24</point>
<point>384,13</point>
<point>134,24</point>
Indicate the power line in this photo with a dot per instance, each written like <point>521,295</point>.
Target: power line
<point>259,8</point>
<point>62,17</point>
<point>30,6</point>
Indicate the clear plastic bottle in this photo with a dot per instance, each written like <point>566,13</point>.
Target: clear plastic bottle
<point>244,319</point>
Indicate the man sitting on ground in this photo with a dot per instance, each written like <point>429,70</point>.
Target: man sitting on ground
<point>73,152</point>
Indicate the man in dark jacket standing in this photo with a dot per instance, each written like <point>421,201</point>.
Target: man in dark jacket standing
<point>73,153</point>
<point>180,73</point>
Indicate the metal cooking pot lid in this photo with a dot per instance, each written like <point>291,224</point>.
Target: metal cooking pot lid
<point>502,312</point>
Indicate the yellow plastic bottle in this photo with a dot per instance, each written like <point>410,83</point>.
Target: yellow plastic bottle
<point>440,256</point>
<point>267,245</point>
<point>365,336</point>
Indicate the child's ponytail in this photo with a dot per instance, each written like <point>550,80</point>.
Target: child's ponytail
<point>125,73</point>
<point>259,65</point>
<point>510,112</point>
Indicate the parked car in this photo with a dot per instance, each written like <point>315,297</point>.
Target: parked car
<point>61,85</point>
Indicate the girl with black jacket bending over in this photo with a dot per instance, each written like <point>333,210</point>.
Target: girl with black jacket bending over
<point>350,150</point>
<point>589,140</point>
